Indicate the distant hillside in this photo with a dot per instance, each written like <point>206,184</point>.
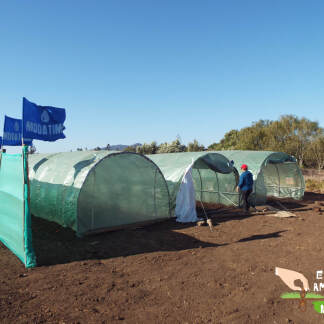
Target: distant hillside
<point>120,147</point>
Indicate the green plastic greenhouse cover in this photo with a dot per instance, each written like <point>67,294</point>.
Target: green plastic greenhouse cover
<point>90,191</point>
<point>15,220</point>
<point>214,177</point>
<point>275,173</point>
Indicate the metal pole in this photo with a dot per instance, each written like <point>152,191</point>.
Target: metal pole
<point>217,186</point>
<point>154,194</point>
<point>278,180</point>
<point>200,184</point>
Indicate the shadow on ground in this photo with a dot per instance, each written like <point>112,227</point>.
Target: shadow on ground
<point>261,236</point>
<point>54,244</point>
<point>288,203</point>
<point>311,197</point>
<point>226,214</point>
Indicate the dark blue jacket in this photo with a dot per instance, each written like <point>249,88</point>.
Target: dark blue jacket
<point>246,181</point>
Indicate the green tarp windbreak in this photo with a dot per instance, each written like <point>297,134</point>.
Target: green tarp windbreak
<point>15,220</point>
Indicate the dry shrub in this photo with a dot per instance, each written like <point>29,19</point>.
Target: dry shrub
<point>314,185</point>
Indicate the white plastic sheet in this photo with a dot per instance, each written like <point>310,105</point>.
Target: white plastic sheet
<point>185,210</point>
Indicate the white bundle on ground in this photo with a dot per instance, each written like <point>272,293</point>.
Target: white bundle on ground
<point>283,214</point>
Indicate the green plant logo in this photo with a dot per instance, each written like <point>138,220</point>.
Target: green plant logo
<point>318,304</point>
<point>289,277</point>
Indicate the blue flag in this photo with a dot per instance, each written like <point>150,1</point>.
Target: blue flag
<point>0,142</point>
<point>12,133</point>
<point>43,122</point>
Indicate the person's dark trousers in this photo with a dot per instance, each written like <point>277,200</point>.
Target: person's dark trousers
<point>245,199</point>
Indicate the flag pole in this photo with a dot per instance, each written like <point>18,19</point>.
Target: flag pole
<point>25,155</point>
<point>24,177</point>
<point>22,125</point>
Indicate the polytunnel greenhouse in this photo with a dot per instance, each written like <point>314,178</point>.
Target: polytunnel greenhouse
<point>275,174</point>
<point>203,176</point>
<point>92,191</point>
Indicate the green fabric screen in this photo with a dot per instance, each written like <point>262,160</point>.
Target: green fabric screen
<point>15,221</point>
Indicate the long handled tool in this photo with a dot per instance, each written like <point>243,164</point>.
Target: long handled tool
<point>208,220</point>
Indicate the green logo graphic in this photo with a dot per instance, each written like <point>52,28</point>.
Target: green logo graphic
<point>296,295</point>
<point>290,277</point>
<point>318,304</point>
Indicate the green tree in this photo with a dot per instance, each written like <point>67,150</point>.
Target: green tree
<point>229,142</point>
<point>129,149</point>
<point>195,147</point>
<point>290,134</point>
<point>255,137</point>
<point>316,151</point>
<point>172,147</point>
<point>153,147</point>
<point>293,135</point>
<point>147,148</point>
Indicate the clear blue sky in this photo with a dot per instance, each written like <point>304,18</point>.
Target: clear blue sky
<point>141,70</point>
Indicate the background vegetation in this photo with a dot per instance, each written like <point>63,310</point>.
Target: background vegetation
<point>300,137</point>
<point>314,185</point>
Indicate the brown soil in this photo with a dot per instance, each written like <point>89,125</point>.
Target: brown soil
<point>168,272</point>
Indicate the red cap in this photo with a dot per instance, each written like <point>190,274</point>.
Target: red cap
<point>244,167</point>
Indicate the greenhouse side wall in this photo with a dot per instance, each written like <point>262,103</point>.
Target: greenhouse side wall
<point>55,183</point>
<point>121,190</point>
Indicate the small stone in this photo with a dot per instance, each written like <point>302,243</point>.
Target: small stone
<point>200,223</point>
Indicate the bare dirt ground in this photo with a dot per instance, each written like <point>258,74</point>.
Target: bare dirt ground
<point>168,272</point>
